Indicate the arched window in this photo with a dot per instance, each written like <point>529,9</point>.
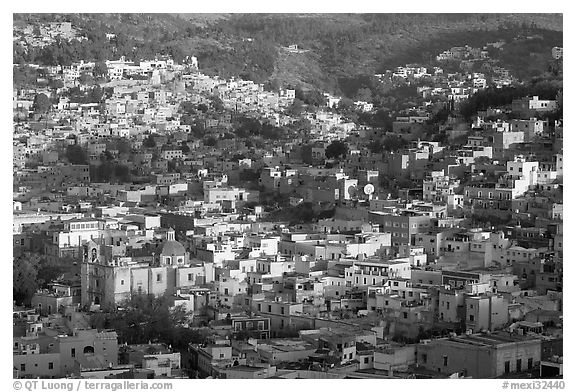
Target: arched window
<point>88,350</point>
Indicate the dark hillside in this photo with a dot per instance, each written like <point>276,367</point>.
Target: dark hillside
<point>337,48</point>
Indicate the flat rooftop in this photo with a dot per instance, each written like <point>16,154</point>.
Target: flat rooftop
<point>490,340</point>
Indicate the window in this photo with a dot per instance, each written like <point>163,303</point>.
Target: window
<point>221,355</point>
<point>445,360</point>
<point>50,365</point>
<point>269,308</point>
<point>259,307</point>
<point>405,315</point>
<point>189,276</point>
<point>471,317</point>
<point>158,278</point>
<point>366,360</point>
<point>424,358</point>
<point>73,353</point>
<point>23,367</point>
<point>122,282</point>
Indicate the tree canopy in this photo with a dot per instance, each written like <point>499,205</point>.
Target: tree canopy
<point>42,103</point>
<point>144,318</point>
<point>76,154</point>
<point>336,149</point>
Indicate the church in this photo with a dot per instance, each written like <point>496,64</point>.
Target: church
<point>108,280</point>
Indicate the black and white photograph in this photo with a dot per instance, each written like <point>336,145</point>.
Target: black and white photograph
<point>246,195</point>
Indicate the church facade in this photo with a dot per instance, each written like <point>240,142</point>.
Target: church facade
<point>107,280</point>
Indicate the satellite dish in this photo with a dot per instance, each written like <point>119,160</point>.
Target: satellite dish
<point>368,189</point>
<point>352,191</point>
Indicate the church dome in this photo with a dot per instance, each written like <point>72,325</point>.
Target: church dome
<point>173,248</point>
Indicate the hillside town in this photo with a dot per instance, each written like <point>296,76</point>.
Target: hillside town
<point>169,223</point>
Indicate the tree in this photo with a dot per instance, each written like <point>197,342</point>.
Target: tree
<point>124,146</point>
<point>24,76</point>
<point>345,105</point>
<point>210,141</point>
<point>106,156</point>
<point>560,101</point>
<point>95,95</point>
<point>122,173</point>
<point>55,84</point>
<point>171,166</point>
<point>314,98</point>
<point>364,94</point>
<point>301,125</point>
<point>149,142</point>
<point>336,149</point>
<point>86,78</point>
<point>100,69</point>
<point>76,154</point>
<point>187,107</point>
<point>103,172</point>
<point>49,272</point>
<point>217,103</point>
<point>272,85</point>
<point>375,147</point>
<point>42,103</point>
<point>144,318</point>
<point>296,108</point>
<point>394,143</point>
<point>24,278</point>
<point>271,132</point>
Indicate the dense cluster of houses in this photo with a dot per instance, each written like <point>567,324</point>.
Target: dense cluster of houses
<point>434,82</point>
<point>45,34</point>
<point>458,276</point>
